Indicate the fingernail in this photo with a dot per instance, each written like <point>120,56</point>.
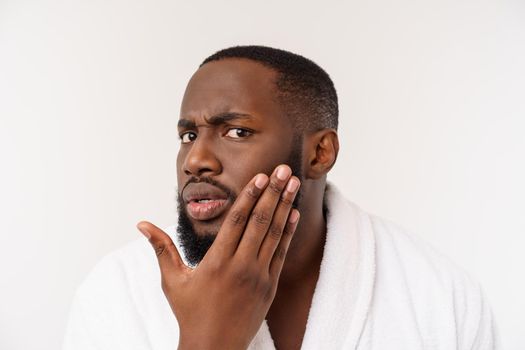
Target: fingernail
<point>260,181</point>
<point>294,216</point>
<point>292,185</point>
<point>145,233</point>
<point>283,172</point>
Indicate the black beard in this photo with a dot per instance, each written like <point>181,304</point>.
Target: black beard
<point>195,246</point>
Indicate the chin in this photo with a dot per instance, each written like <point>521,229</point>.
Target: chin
<point>207,228</point>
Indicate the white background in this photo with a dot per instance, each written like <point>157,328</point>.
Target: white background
<point>432,101</point>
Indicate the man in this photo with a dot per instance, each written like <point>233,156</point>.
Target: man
<point>267,254</point>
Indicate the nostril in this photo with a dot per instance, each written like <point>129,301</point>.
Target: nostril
<point>203,171</point>
<point>198,171</point>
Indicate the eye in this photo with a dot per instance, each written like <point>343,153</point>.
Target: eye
<point>238,133</point>
<point>188,137</point>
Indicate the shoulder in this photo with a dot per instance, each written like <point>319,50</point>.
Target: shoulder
<point>116,268</point>
<point>124,271</point>
<point>415,287</point>
<point>119,301</point>
<point>123,267</point>
<point>110,288</point>
<point>440,293</point>
<point>417,257</point>
<point>396,248</point>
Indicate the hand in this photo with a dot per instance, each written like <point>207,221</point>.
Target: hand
<point>223,301</point>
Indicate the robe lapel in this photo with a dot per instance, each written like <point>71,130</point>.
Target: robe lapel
<point>344,290</point>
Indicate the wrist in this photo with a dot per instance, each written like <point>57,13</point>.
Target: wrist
<point>207,343</point>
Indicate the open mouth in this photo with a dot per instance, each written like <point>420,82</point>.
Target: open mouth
<point>204,201</point>
<point>206,208</point>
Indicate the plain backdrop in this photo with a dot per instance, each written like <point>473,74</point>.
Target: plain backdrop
<point>432,108</point>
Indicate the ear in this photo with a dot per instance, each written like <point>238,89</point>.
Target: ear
<point>321,148</point>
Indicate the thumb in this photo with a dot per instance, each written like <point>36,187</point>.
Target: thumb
<point>166,251</point>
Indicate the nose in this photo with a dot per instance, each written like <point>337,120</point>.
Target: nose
<point>201,159</point>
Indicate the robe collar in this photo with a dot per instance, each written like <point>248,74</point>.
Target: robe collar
<point>344,290</point>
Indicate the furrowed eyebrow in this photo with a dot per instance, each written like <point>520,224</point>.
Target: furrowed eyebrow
<point>186,124</point>
<point>214,120</point>
<point>226,117</point>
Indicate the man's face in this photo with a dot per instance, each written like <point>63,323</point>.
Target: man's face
<point>232,127</point>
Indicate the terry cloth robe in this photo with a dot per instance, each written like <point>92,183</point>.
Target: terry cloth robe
<point>379,288</point>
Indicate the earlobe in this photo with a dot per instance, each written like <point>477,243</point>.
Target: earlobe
<point>323,147</point>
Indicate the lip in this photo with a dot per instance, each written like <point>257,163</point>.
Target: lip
<point>206,211</point>
<point>204,201</point>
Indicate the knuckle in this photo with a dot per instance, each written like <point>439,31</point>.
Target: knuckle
<point>253,280</point>
<point>163,248</point>
<point>288,230</point>
<point>287,201</point>
<point>246,278</point>
<point>274,232</point>
<point>280,253</point>
<point>260,217</point>
<point>159,250</point>
<point>268,290</point>
<point>237,217</point>
<point>274,187</point>
<point>252,192</point>
<point>216,265</point>
<point>265,285</point>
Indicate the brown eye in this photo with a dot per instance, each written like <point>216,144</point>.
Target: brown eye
<point>188,137</point>
<point>238,133</point>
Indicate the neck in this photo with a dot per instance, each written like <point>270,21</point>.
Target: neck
<point>306,249</point>
<point>288,314</point>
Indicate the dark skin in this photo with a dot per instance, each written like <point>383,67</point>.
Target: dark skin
<point>234,130</point>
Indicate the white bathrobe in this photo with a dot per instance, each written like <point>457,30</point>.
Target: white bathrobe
<point>379,288</point>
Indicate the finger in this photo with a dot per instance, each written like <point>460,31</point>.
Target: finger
<point>167,254</point>
<point>234,224</point>
<point>262,214</point>
<point>275,232</point>
<point>282,249</point>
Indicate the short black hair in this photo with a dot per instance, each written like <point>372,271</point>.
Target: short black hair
<point>305,90</point>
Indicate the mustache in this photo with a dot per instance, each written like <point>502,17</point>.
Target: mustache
<point>194,179</point>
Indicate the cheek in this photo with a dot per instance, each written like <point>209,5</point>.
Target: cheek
<point>238,170</point>
<point>180,172</point>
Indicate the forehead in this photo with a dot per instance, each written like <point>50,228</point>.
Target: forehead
<point>231,85</point>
